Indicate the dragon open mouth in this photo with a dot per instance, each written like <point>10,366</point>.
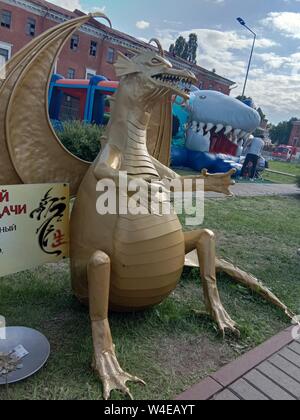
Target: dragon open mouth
<point>182,84</point>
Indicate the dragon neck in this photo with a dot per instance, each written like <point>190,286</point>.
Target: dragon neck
<point>128,132</point>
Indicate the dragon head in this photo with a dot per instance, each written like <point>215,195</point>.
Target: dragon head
<point>154,74</point>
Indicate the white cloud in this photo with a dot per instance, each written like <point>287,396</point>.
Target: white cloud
<point>287,23</point>
<point>142,24</point>
<point>274,80</point>
<point>219,49</point>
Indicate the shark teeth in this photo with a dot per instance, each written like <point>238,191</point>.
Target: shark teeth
<point>219,128</point>
<point>228,129</point>
<point>242,134</point>
<point>208,129</point>
<point>207,135</point>
<point>237,131</point>
<point>194,126</point>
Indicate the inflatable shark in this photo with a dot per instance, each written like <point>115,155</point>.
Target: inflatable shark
<point>210,116</point>
<point>211,112</point>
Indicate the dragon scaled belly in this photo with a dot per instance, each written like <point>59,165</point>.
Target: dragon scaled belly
<point>147,261</point>
<point>149,253</point>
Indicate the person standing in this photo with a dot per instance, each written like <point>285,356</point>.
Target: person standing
<point>254,153</point>
<point>239,150</point>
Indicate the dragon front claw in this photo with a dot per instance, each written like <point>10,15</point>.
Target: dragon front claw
<point>220,183</point>
<point>112,376</point>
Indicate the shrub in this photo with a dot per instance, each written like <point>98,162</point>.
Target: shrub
<point>81,139</point>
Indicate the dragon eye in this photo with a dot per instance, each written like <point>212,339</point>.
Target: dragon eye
<point>155,61</point>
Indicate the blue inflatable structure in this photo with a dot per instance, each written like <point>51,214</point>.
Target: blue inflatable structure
<point>181,157</point>
<point>210,131</point>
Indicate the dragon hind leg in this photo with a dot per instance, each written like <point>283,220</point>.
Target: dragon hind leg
<point>105,362</point>
<point>252,283</point>
<point>204,242</point>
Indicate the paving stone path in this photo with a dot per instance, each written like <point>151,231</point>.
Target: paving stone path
<point>271,372</point>
<point>256,190</point>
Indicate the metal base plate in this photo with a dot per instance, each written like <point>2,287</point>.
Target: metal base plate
<point>34,342</point>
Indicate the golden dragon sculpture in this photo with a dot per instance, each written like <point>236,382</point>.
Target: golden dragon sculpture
<point>119,262</point>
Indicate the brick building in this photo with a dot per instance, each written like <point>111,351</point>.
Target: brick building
<point>92,50</point>
<point>295,135</point>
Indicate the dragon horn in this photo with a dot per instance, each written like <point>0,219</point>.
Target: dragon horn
<point>101,15</point>
<point>159,46</point>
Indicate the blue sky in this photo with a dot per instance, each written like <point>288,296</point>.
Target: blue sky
<point>223,44</point>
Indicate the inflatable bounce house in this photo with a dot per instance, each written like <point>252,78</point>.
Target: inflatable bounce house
<point>85,100</point>
<point>209,131</point>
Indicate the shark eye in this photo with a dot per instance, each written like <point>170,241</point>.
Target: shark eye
<point>203,97</point>
<point>155,61</point>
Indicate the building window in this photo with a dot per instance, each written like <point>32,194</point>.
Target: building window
<point>111,55</point>
<point>30,27</point>
<point>5,19</point>
<point>5,52</point>
<point>93,48</point>
<point>89,73</point>
<point>74,42</point>
<point>71,74</point>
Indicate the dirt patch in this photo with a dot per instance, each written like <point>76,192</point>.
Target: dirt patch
<point>188,356</point>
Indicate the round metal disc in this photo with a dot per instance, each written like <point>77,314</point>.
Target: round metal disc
<point>34,342</point>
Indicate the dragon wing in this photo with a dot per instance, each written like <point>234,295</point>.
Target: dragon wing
<point>30,150</point>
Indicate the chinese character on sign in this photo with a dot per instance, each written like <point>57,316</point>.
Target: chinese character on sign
<point>58,239</point>
<point>50,212</point>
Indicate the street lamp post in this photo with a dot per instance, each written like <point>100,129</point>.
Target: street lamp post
<point>243,23</point>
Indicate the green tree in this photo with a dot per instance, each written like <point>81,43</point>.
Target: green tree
<point>179,46</point>
<point>193,48</point>
<point>186,49</point>
<point>185,54</point>
<point>280,133</point>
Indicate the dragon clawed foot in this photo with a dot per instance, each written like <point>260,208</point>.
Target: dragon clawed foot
<point>221,317</point>
<point>224,321</point>
<point>112,376</point>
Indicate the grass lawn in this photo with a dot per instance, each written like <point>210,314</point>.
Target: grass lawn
<point>169,346</point>
<point>288,168</point>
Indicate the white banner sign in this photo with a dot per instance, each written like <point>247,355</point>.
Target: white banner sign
<point>34,226</point>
